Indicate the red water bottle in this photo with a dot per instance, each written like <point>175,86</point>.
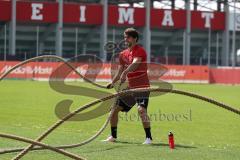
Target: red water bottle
<point>171,140</point>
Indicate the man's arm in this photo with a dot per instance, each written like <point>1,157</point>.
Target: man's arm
<point>116,77</point>
<point>119,73</point>
<point>132,67</point>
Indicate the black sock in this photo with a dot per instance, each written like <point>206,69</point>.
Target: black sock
<point>114,132</point>
<point>148,133</point>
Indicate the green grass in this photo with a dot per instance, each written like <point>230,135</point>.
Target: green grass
<point>27,109</point>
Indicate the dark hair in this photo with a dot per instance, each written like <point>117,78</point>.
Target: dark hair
<point>132,33</point>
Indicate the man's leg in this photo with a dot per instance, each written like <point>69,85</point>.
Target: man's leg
<point>145,121</point>
<point>124,105</point>
<point>114,121</point>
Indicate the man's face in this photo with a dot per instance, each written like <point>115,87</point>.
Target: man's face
<point>129,40</point>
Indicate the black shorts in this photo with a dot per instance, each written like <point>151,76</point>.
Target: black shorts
<point>128,101</point>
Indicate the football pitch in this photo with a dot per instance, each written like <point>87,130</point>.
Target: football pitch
<point>202,131</point>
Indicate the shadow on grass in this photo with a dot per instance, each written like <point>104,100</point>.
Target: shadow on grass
<point>158,144</point>
<point>177,146</point>
<point>103,149</point>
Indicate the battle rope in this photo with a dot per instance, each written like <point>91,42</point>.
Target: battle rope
<point>17,138</point>
<point>57,124</point>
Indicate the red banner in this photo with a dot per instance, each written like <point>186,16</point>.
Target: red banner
<point>213,20</point>
<point>92,14</point>
<point>35,11</point>
<point>43,70</point>
<point>168,18</point>
<point>85,14</point>
<point>5,8</point>
<point>187,74</point>
<point>225,75</point>
<point>125,16</point>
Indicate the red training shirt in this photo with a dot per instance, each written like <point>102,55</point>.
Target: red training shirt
<point>139,77</point>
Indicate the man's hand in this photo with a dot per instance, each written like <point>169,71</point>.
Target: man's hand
<point>110,85</point>
<point>123,76</point>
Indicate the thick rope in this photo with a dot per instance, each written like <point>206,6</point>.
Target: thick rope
<point>21,139</point>
<point>57,124</point>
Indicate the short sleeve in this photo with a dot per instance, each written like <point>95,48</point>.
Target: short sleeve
<point>140,52</point>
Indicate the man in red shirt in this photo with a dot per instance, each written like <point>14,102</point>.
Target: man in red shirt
<point>133,67</point>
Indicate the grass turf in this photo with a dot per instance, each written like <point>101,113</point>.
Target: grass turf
<point>201,130</point>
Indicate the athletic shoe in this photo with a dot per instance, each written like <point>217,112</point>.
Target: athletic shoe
<point>110,139</point>
<point>148,141</point>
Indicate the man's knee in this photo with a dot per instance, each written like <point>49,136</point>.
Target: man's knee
<point>141,110</point>
<point>117,110</point>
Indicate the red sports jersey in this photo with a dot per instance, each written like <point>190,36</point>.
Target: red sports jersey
<point>139,77</point>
